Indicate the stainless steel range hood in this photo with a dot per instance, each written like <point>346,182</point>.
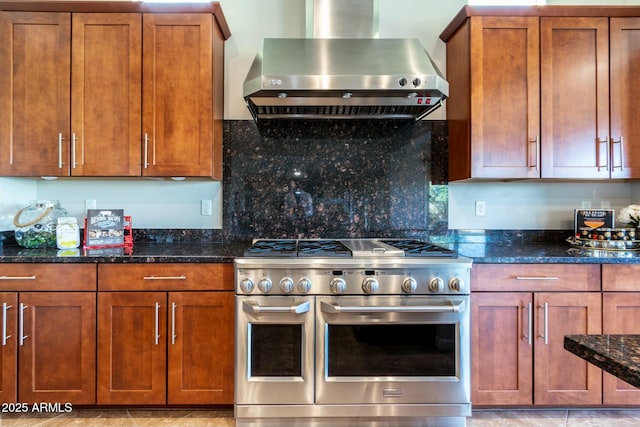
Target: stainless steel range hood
<point>343,78</point>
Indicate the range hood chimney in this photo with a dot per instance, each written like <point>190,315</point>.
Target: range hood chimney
<point>342,70</point>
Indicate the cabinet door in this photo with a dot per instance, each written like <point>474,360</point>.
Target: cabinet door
<point>501,348</point>
<point>620,314</point>
<point>201,340</point>
<point>132,348</point>
<point>9,347</point>
<point>34,93</point>
<point>177,95</point>
<point>625,97</point>
<point>561,378</point>
<point>57,350</point>
<point>106,84</point>
<point>575,97</point>
<point>505,101</point>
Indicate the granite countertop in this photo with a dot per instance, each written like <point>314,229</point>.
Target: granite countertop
<point>481,253</point>
<point>617,354</point>
<point>141,253</point>
<point>541,253</point>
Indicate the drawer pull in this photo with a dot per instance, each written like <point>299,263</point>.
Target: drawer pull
<point>165,277</point>
<point>536,278</point>
<point>17,277</point>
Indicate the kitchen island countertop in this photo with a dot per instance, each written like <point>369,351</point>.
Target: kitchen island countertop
<point>617,354</point>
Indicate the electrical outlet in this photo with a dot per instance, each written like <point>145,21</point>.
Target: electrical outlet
<point>205,207</point>
<point>481,208</point>
<point>586,204</point>
<point>605,204</point>
<point>89,204</point>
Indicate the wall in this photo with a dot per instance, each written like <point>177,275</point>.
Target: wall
<point>176,204</point>
<point>169,204</point>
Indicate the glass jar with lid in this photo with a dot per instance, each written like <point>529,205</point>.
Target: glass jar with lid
<point>36,223</point>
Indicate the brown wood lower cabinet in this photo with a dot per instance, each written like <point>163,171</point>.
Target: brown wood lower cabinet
<point>201,345</point>
<point>161,348</point>
<point>620,314</point>
<point>517,338</point>
<point>48,347</point>
<point>620,311</point>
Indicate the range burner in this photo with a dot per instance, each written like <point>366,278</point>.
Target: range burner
<point>346,248</point>
<point>416,248</point>
<point>322,248</point>
<point>277,248</point>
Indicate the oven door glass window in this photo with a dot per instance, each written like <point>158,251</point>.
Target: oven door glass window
<point>276,350</point>
<point>402,350</point>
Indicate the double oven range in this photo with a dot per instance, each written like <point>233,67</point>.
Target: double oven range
<point>360,332</point>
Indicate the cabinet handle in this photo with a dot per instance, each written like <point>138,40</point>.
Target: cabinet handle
<point>157,331</point>
<point>146,152</point>
<point>536,141</point>
<point>5,337</point>
<point>17,277</point>
<point>23,337</point>
<point>173,323</point>
<point>60,139</point>
<point>529,324</point>
<point>621,146</point>
<point>182,277</point>
<point>598,143</point>
<point>536,278</point>
<point>73,150</point>
<point>546,323</point>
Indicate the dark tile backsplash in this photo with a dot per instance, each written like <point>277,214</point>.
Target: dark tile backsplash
<point>321,178</point>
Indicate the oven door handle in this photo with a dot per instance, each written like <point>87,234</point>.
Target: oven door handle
<point>453,307</point>
<point>254,308</point>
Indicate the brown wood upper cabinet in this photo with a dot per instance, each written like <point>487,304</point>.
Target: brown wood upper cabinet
<point>63,120</point>
<point>181,135</point>
<point>543,96</point>
<point>81,94</point>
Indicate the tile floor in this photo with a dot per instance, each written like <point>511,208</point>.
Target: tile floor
<point>224,418</point>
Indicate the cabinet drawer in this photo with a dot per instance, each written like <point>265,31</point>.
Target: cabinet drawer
<point>535,277</point>
<point>165,277</point>
<point>620,277</point>
<point>47,277</point>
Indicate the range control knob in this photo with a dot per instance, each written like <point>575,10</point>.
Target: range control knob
<point>337,285</point>
<point>456,284</point>
<point>286,285</point>
<point>304,285</point>
<point>416,82</point>
<point>370,285</point>
<point>436,285</point>
<point>402,81</point>
<point>264,285</point>
<point>246,285</point>
<point>409,285</point>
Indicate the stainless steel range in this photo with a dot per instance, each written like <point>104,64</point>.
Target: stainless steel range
<point>362,332</point>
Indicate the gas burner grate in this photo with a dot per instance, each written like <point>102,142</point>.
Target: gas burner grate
<point>416,248</point>
<point>277,248</point>
<point>319,248</point>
